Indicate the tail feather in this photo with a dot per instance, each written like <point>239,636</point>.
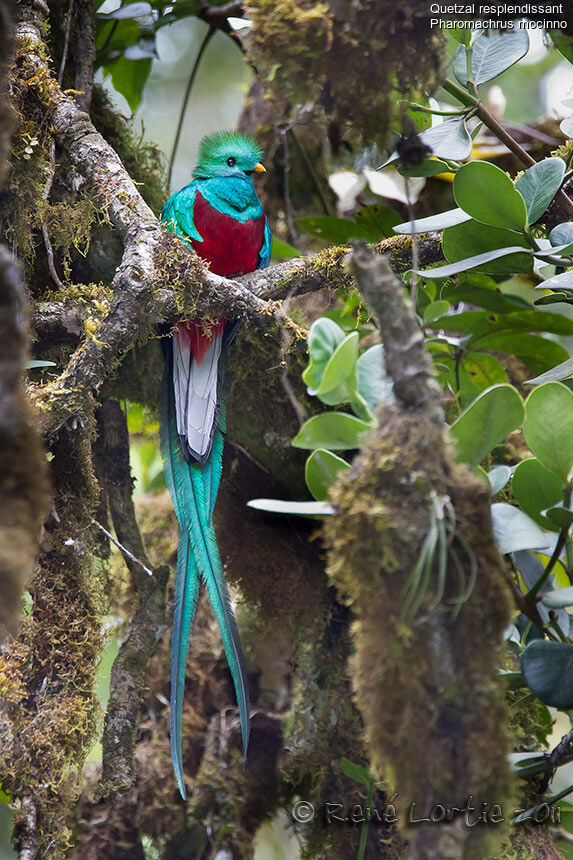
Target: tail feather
<point>186,594</point>
<point>195,383</point>
<point>193,487</point>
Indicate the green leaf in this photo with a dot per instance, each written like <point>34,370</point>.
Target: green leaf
<point>336,431</point>
<point>514,530</point>
<point>373,383</point>
<point>498,478</point>
<point>548,670</point>
<point>562,234</point>
<point>492,54</point>
<point>323,338</point>
<point>321,472</point>
<point>129,78</point>
<point>548,426</point>
<point>339,379</point>
<point>535,488</point>
<point>337,230</point>
<point>449,139</point>
<point>299,509</point>
<point>479,371</point>
<point>378,219</point>
<point>560,598</point>
<point>476,371</point>
<point>560,516</point>
<point>487,194</point>
<point>552,299</point>
<point>562,282</point>
<point>556,374</point>
<point>537,353</point>
<point>428,167</point>
<point>486,422</point>
<point>481,290</point>
<point>481,323</point>
<point>472,238</point>
<point>563,43</point>
<point>539,185</point>
<point>355,772</point>
<point>435,310</point>
<point>433,222</point>
<point>469,263</point>
<point>283,251</point>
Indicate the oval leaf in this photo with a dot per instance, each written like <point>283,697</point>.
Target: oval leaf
<point>563,282</point>
<point>548,670</point>
<point>548,426</point>
<point>486,422</point>
<point>513,530</point>
<point>536,488</point>
<point>373,383</point>
<point>322,471</point>
<point>341,366</point>
<point>562,371</point>
<point>559,599</point>
<point>492,54</point>
<point>433,222</point>
<point>539,185</point>
<point>469,263</point>
<point>498,478</point>
<point>449,139</point>
<point>323,338</point>
<point>487,194</point>
<point>471,238</point>
<point>337,431</point>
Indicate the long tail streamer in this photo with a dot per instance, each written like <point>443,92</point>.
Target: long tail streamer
<point>193,489</point>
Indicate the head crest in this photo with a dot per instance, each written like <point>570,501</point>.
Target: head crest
<point>222,144</point>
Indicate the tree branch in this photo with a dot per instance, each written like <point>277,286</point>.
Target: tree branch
<point>159,277</point>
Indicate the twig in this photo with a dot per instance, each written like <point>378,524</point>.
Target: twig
<point>120,546</point>
<point>69,16</point>
<point>562,753</point>
<point>45,234</point>
<point>207,38</point>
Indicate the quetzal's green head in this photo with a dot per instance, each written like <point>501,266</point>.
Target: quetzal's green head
<point>227,153</point>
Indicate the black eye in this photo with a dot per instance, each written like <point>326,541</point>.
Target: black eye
<point>231,161</point>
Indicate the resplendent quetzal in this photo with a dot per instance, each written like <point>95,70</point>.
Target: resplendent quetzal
<point>221,217</point>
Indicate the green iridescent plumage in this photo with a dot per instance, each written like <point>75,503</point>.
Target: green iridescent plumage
<point>220,214</point>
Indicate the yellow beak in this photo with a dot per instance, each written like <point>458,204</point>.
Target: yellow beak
<point>259,168</point>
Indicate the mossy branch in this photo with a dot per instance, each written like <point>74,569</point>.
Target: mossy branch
<point>158,278</point>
